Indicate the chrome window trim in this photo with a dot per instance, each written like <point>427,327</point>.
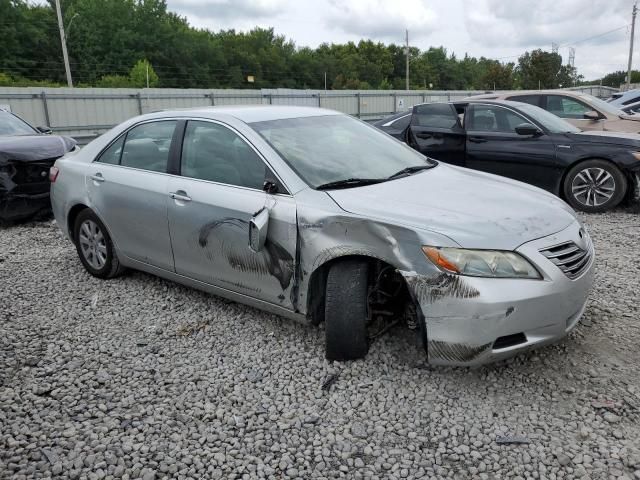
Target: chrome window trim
<point>124,133</point>
<point>247,141</point>
<point>388,124</point>
<point>186,119</point>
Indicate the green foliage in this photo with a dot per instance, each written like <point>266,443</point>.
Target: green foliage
<point>17,81</point>
<point>540,69</point>
<point>114,81</point>
<point>143,75</point>
<point>615,79</point>
<point>107,37</point>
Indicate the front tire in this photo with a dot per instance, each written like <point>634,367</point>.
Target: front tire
<point>594,186</point>
<point>94,246</point>
<point>346,307</point>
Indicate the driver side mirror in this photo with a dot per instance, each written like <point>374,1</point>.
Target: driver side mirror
<point>592,115</point>
<point>258,227</point>
<point>528,129</point>
<point>45,130</point>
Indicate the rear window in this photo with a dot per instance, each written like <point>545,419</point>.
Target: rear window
<point>530,99</point>
<point>434,115</point>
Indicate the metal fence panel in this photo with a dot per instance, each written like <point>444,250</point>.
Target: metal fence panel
<point>87,112</point>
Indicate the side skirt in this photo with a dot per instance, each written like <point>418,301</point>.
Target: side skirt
<point>214,290</point>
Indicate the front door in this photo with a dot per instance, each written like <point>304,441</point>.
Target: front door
<point>573,110</point>
<point>494,146</point>
<point>127,185</point>
<point>435,131</point>
<point>219,190</point>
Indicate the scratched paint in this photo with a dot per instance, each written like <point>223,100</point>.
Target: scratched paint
<point>455,352</point>
<point>273,260</point>
<point>428,290</point>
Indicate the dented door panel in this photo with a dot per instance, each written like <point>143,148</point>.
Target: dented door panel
<point>210,239</point>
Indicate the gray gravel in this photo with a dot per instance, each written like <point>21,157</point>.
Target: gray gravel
<point>141,378</point>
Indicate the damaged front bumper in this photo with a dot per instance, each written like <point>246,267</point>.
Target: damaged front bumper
<point>471,321</point>
<point>24,189</point>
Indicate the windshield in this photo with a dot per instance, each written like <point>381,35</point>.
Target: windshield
<point>601,104</point>
<point>548,120</point>
<point>12,125</point>
<point>332,148</point>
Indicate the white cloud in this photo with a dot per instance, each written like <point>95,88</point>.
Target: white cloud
<point>381,19</point>
<point>502,29</point>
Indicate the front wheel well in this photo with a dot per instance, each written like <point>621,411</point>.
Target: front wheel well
<point>379,272</point>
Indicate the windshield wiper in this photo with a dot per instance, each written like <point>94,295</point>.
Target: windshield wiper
<point>409,170</point>
<point>349,182</point>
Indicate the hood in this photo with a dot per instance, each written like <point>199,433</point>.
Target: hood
<point>475,209</point>
<point>26,148</point>
<point>626,139</point>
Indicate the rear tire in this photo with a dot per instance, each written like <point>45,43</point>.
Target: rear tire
<point>594,186</point>
<point>95,247</point>
<point>346,311</point>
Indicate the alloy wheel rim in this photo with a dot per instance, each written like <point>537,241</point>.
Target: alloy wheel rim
<point>93,244</point>
<point>593,187</point>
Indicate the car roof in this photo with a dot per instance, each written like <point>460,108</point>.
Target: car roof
<point>250,113</point>
<point>571,93</point>
<point>508,103</point>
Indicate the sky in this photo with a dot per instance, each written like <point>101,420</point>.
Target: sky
<point>599,30</point>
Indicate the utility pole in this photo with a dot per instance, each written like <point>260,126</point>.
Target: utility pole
<point>633,27</point>
<point>406,51</point>
<point>325,81</point>
<point>63,40</point>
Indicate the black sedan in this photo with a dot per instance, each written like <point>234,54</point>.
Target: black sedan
<point>26,154</point>
<point>593,171</point>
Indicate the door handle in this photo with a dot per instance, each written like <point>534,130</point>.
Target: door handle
<point>477,139</point>
<point>423,135</point>
<point>97,177</point>
<point>180,195</point>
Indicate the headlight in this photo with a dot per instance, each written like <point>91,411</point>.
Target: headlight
<point>481,263</point>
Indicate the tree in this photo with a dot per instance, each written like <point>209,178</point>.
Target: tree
<point>109,36</point>
<point>540,69</point>
<point>114,81</point>
<point>143,75</point>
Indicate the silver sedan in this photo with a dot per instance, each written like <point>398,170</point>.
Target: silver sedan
<point>314,215</point>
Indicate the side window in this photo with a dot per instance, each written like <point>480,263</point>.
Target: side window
<point>112,154</point>
<point>434,115</point>
<point>566,107</point>
<point>147,146</point>
<point>530,99</point>
<point>493,118</point>
<point>402,122</point>
<point>213,152</point>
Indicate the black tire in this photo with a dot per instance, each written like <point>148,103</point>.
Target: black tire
<point>111,266</point>
<point>612,181</point>
<point>346,311</point>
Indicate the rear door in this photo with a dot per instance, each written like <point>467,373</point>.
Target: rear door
<point>127,185</point>
<point>219,190</point>
<point>494,146</point>
<point>435,131</point>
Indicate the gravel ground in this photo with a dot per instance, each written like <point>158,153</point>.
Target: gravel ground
<point>141,378</point>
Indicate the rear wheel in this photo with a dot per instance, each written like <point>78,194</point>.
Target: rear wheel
<point>346,310</point>
<point>95,247</point>
<point>595,186</point>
